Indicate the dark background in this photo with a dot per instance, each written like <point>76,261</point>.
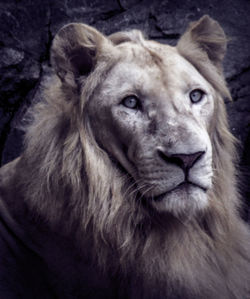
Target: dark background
<point>27,28</point>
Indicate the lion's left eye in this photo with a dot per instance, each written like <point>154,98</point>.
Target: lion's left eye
<point>196,95</point>
<point>131,102</point>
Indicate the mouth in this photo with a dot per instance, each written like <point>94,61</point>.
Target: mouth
<point>182,187</point>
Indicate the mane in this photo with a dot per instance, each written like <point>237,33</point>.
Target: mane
<point>66,175</point>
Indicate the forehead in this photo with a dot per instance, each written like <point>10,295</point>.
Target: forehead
<point>153,66</point>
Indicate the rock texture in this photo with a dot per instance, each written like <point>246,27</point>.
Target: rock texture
<point>28,27</point>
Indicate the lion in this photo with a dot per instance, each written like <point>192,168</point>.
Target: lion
<point>126,187</point>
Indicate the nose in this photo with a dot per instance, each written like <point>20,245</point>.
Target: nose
<point>185,161</point>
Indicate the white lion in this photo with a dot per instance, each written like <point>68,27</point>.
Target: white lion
<point>126,186</point>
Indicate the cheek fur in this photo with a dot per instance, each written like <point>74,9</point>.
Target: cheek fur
<point>204,111</point>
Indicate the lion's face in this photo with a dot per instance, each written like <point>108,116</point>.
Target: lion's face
<point>152,114</point>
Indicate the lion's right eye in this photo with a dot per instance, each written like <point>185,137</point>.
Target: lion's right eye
<point>196,95</point>
<point>131,102</point>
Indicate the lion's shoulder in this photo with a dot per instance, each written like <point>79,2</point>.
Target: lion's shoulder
<point>18,262</point>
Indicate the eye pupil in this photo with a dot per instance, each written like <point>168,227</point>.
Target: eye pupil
<point>196,95</point>
<point>131,102</point>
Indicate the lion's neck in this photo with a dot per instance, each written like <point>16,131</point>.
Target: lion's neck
<point>163,254</point>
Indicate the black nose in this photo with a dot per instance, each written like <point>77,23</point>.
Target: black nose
<point>185,161</point>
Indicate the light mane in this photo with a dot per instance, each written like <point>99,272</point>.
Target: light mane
<point>66,173</point>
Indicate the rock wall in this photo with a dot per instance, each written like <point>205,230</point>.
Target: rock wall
<point>28,27</point>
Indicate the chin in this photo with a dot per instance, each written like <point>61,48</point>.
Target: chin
<point>185,201</point>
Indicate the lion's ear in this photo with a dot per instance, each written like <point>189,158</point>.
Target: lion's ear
<point>74,50</point>
<point>206,36</point>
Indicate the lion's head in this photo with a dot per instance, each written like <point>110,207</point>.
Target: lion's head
<point>152,108</point>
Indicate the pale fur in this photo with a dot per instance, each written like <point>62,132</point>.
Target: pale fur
<point>67,175</point>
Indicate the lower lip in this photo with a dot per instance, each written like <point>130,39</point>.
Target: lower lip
<point>181,187</point>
